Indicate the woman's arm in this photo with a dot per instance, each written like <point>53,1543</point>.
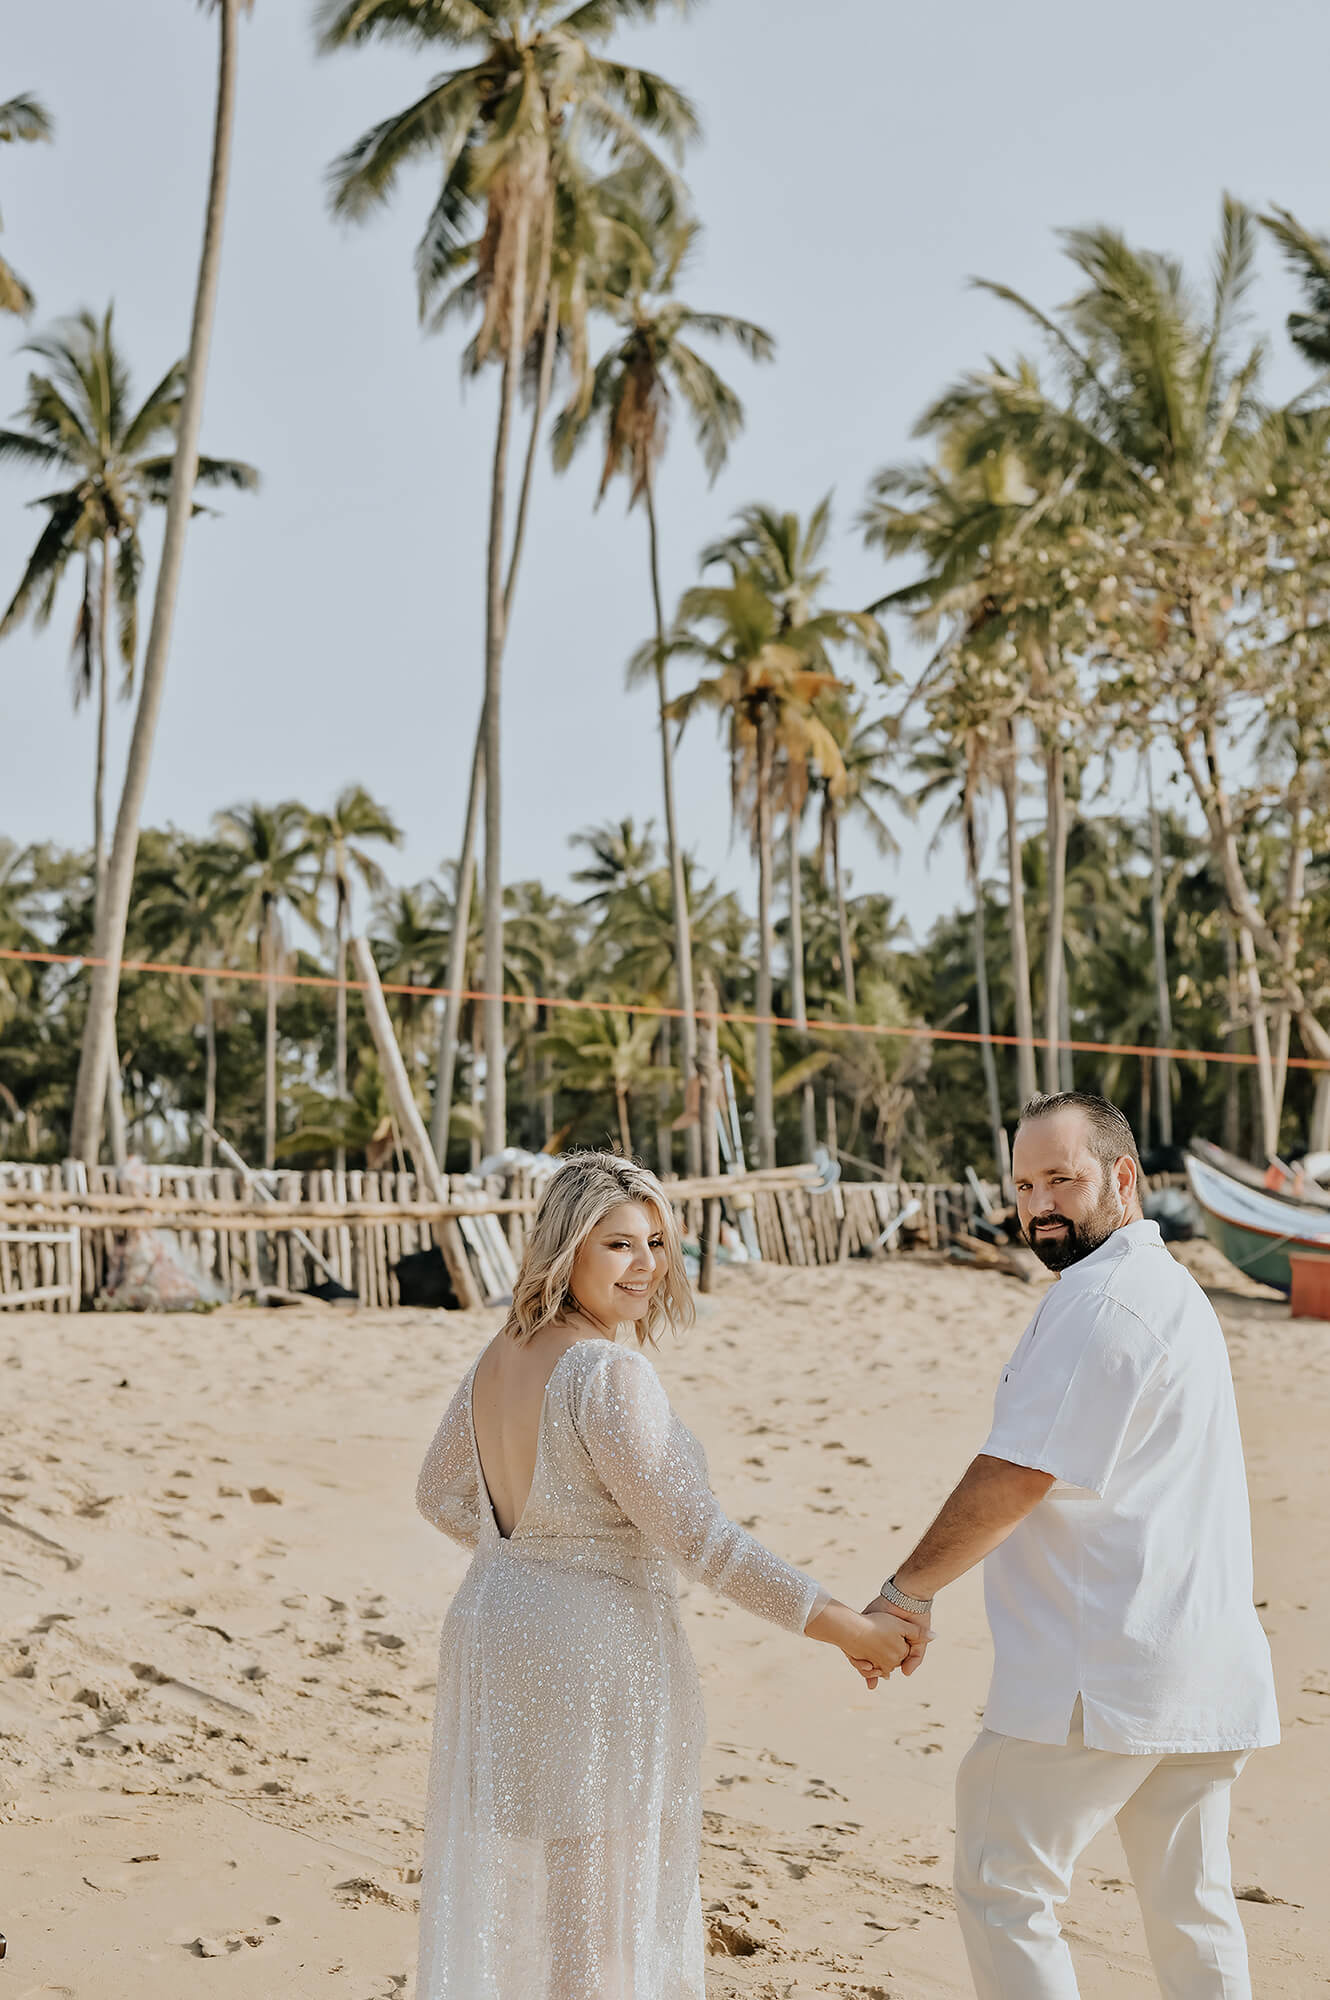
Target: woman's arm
<point>650,1465</point>
<point>447,1493</point>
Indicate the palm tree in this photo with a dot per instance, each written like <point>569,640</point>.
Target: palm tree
<point>964,767</point>
<point>22,118</point>
<point>99,1029</point>
<point>620,858</point>
<point>540,951</point>
<point>338,838</point>
<point>596,246</point>
<point>652,360</point>
<point>961,514</point>
<point>602,1051</point>
<point>81,424</point>
<point>1154,429</point>
<point>187,903</point>
<point>786,554</point>
<point>497,125</point>
<point>269,869</point>
<point>858,789</point>
<point>763,680</point>
<point>408,939</point>
<point>1308,257</point>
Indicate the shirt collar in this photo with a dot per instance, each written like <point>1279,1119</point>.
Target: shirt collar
<point>1132,1235</point>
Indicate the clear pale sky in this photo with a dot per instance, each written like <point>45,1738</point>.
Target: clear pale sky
<point>861,159</point>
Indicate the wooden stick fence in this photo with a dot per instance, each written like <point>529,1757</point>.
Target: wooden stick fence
<point>59,1226</point>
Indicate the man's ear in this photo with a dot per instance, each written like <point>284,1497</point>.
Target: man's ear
<point>1129,1189</point>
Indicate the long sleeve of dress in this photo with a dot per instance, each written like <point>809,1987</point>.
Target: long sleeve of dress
<point>655,1471</point>
<point>447,1491</point>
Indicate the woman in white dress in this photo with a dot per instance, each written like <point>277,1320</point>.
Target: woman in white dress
<point>563,1822</point>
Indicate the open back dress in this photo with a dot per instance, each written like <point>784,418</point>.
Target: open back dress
<point>563,1820</point>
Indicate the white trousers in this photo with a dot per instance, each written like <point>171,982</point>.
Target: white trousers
<point>1025,1812</point>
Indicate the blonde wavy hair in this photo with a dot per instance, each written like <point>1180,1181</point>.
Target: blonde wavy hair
<point>575,1199</point>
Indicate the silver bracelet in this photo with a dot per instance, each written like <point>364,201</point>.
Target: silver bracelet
<point>919,1606</point>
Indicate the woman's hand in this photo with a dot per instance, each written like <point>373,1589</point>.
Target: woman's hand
<point>875,1644</point>
<point>886,1647</point>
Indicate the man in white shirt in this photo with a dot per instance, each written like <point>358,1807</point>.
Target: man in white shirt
<point>1131,1676</point>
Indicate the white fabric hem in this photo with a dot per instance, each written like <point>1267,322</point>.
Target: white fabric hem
<point>1135,1746</point>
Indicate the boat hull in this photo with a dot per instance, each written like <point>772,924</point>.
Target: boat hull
<point>1254,1230</point>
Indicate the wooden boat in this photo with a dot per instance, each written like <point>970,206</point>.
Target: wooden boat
<point>1255,1229</point>
<point>1290,1183</point>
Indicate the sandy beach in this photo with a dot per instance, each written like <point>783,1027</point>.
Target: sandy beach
<point>220,1615</point>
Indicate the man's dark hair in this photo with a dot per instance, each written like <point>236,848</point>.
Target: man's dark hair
<point>1110,1136</point>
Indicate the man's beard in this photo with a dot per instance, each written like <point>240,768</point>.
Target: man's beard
<point>1075,1240</point>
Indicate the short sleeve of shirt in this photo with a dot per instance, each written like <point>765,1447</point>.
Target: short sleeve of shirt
<point>1068,1395</point>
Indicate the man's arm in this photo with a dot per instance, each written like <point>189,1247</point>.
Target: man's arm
<point>993,1498</point>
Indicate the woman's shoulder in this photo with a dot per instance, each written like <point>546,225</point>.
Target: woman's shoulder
<point>590,1356</point>
<point>598,1372</point>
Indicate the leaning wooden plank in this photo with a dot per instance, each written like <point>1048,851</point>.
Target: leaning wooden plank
<point>37,1295</point>
<point>409,1122</point>
<point>490,1281</point>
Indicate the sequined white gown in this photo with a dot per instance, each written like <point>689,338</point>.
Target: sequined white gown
<point>563,1822</point>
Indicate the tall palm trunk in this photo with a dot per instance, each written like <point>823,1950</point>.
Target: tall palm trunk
<point>1055,970</point>
<point>496,1105</point>
<point>1293,894</point>
<point>798,995</point>
<point>1020,949</point>
<point>763,1102</point>
<point>446,1066</point>
<point>1232,1127</point>
<point>1267,1122</point>
<point>455,977</point>
<point>270,955</point>
<point>209,1070</point>
<point>971,839</point>
<point>1163,992</point>
<point>475,1153</point>
<point>103,707</point>
<point>683,935</point>
<point>664,1132</point>
<point>339,1028</point>
<point>625,1129</point>
<point>99,1030</point>
<point>115,1103</point>
<point>842,915</point>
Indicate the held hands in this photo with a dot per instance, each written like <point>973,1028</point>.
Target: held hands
<point>917,1630</point>
<point>884,1641</point>
<point>875,1645</point>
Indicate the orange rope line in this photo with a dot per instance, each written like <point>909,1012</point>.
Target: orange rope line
<point>655,1009</point>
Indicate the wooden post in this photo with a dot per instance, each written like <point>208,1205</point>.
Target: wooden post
<point>708,1097</point>
<point>410,1124</point>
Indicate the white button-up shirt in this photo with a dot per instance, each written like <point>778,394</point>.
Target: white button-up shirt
<point>1130,1584</point>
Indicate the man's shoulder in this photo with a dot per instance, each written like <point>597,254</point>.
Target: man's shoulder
<point>1145,1282</point>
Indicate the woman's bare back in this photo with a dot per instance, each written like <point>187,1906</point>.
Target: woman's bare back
<point>507,1403</point>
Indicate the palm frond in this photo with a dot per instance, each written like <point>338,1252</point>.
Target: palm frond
<point>35,595</point>
<point>15,296</point>
<point>25,118</point>
<point>158,414</point>
<point>753,340</point>
<point>717,414</point>
<point>652,103</point>
<point>128,578</point>
<point>596,20</point>
<point>1308,257</point>
<point>342,24</point>
<point>439,122</point>
<point>17,448</point>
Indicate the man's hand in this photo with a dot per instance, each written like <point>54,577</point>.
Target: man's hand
<point>919,1629</point>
